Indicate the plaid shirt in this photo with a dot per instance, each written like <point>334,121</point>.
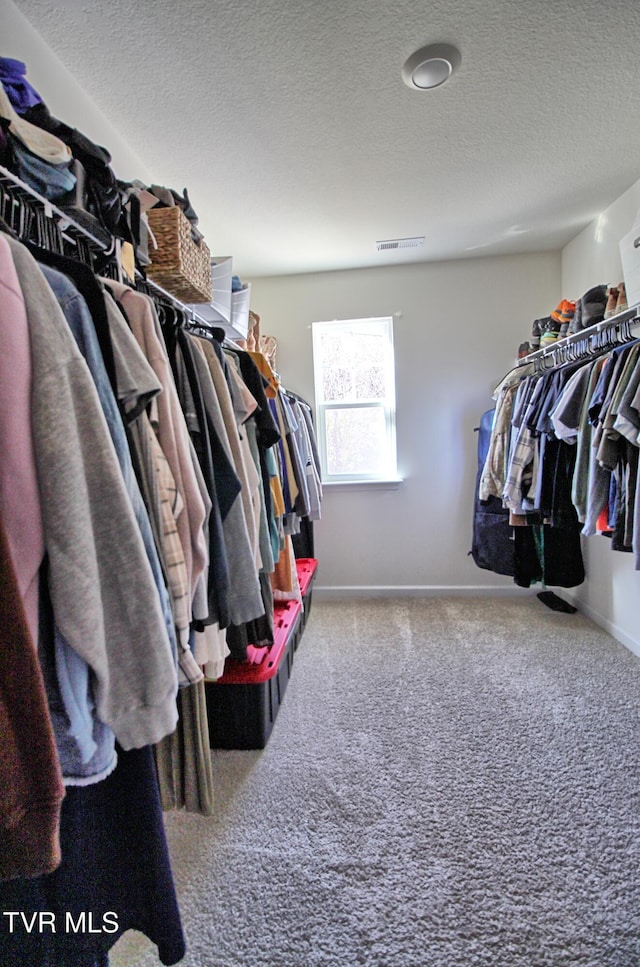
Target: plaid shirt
<point>494,471</point>
<point>172,505</point>
<point>520,471</point>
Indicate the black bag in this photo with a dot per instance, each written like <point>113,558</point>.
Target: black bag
<point>493,546</point>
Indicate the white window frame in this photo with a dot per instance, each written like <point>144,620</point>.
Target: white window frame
<point>387,404</point>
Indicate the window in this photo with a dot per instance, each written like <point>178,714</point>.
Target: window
<point>355,399</point>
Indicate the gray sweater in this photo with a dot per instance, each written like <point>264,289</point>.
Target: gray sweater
<point>102,589</point>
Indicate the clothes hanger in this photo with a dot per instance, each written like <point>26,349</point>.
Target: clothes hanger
<point>6,228</point>
<point>9,211</point>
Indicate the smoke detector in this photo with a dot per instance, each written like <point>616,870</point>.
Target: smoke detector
<point>431,66</point>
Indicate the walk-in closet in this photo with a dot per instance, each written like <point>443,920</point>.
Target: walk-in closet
<point>319,521</point>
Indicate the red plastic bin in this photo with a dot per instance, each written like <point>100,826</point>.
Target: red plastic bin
<point>285,616</point>
<point>243,704</point>
<point>306,568</point>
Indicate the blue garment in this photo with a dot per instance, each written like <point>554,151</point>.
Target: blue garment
<point>288,506</point>
<point>92,739</point>
<point>19,91</point>
<point>52,181</point>
<point>85,744</point>
<point>600,392</point>
<point>302,501</point>
<point>271,465</point>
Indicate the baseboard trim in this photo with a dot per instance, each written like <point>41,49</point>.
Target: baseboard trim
<point>339,592</point>
<point>614,630</point>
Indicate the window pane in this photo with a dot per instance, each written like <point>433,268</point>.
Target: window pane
<point>337,383</point>
<point>370,382</point>
<point>371,353</point>
<point>336,366</point>
<point>356,440</point>
<point>353,365</point>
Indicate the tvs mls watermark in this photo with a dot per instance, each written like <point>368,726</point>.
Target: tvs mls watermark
<point>45,921</point>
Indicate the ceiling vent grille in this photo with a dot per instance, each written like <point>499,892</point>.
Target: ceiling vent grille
<point>388,244</point>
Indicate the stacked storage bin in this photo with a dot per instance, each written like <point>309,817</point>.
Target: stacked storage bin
<point>306,568</point>
<point>243,704</point>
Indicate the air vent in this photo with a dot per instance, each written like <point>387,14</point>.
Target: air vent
<point>392,243</point>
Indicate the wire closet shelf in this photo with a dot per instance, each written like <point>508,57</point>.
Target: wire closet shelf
<point>617,330</point>
<point>20,200</point>
<point>20,204</point>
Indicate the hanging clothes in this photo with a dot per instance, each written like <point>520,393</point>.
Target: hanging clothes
<point>564,459</point>
<point>97,560</point>
<point>254,626</point>
<point>144,517</point>
<point>245,601</point>
<point>173,436</point>
<point>151,443</point>
<point>96,583</point>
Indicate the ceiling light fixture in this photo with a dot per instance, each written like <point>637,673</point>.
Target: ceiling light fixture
<point>431,66</point>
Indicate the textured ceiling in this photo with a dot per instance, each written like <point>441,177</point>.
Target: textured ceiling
<point>289,123</point>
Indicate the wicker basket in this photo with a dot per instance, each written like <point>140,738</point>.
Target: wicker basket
<point>179,265</point>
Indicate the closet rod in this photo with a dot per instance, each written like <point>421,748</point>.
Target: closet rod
<point>188,310</point>
<point>19,190</point>
<point>631,315</point>
<point>230,343</point>
<point>66,223</point>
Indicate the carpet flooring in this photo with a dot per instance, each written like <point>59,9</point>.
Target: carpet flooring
<point>449,783</point>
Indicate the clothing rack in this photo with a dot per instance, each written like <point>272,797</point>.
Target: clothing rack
<point>21,194</point>
<point>195,318</point>
<point>72,231</point>
<point>592,341</point>
<point>229,343</point>
<point>16,195</point>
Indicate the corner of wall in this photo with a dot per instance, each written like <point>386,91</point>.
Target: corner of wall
<point>593,256</point>
<point>62,94</point>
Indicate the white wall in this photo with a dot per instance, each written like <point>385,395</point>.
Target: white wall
<point>61,92</point>
<point>457,330</point>
<point>610,592</point>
